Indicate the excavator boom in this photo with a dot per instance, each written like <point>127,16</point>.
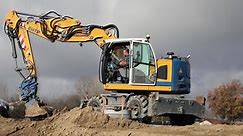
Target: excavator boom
<point>50,26</point>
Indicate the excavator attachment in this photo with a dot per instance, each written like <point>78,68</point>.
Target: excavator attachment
<point>35,110</point>
<point>54,27</point>
<point>50,26</point>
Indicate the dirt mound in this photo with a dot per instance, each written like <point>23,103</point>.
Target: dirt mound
<point>87,122</point>
<point>89,118</point>
<point>77,121</point>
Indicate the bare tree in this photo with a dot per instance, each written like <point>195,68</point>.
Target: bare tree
<point>87,87</point>
<point>67,100</point>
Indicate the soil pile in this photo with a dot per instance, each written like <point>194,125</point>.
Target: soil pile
<point>89,118</point>
<point>87,122</point>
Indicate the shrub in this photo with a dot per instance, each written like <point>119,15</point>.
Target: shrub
<point>226,101</point>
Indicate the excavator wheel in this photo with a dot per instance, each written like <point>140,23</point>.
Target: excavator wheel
<point>97,102</point>
<point>94,102</point>
<point>138,105</point>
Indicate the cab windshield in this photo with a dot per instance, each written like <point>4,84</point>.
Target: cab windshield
<point>143,64</point>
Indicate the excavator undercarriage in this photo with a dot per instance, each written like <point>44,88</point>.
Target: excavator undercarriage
<point>149,108</point>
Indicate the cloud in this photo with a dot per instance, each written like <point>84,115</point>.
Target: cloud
<point>202,83</point>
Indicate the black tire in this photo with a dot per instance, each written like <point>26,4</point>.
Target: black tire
<point>138,105</point>
<point>182,120</point>
<point>97,102</point>
<point>4,108</point>
<point>4,113</point>
<point>94,102</point>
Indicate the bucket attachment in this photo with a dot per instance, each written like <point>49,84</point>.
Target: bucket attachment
<point>35,110</point>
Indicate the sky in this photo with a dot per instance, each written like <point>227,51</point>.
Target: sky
<point>211,31</point>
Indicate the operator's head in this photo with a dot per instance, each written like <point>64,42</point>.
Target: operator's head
<point>126,52</point>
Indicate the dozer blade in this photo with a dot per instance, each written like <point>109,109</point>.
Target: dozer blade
<point>34,110</point>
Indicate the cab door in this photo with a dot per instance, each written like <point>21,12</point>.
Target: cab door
<point>142,64</point>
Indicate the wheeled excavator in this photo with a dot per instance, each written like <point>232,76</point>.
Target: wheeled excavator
<point>143,88</point>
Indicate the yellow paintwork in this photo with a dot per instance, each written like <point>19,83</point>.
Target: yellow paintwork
<point>160,88</point>
<point>61,25</point>
<point>168,62</point>
<point>152,70</point>
<point>99,34</point>
<point>27,51</point>
<point>34,28</point>
<point>127,87</point>
<point>11,19</point>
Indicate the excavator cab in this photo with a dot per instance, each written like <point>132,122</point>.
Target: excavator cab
<point>139,67</point>
<point>143,71</point>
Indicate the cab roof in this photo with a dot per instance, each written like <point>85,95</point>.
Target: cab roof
<point>126,39</point>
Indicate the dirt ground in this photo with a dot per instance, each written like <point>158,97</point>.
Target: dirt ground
<point>87,122</point>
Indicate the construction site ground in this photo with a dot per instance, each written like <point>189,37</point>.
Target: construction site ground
<point>87,122</point>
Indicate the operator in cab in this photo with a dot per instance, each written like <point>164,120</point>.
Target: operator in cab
<point>120,60</point>
<point>124,62</point>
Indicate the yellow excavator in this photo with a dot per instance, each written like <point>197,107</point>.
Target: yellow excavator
<point>142,87</point>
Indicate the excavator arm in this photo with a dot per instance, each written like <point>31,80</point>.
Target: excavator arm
<point>50,26</point>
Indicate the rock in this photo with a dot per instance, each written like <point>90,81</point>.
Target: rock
<point>205,123</point>
<point>32,124</point>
